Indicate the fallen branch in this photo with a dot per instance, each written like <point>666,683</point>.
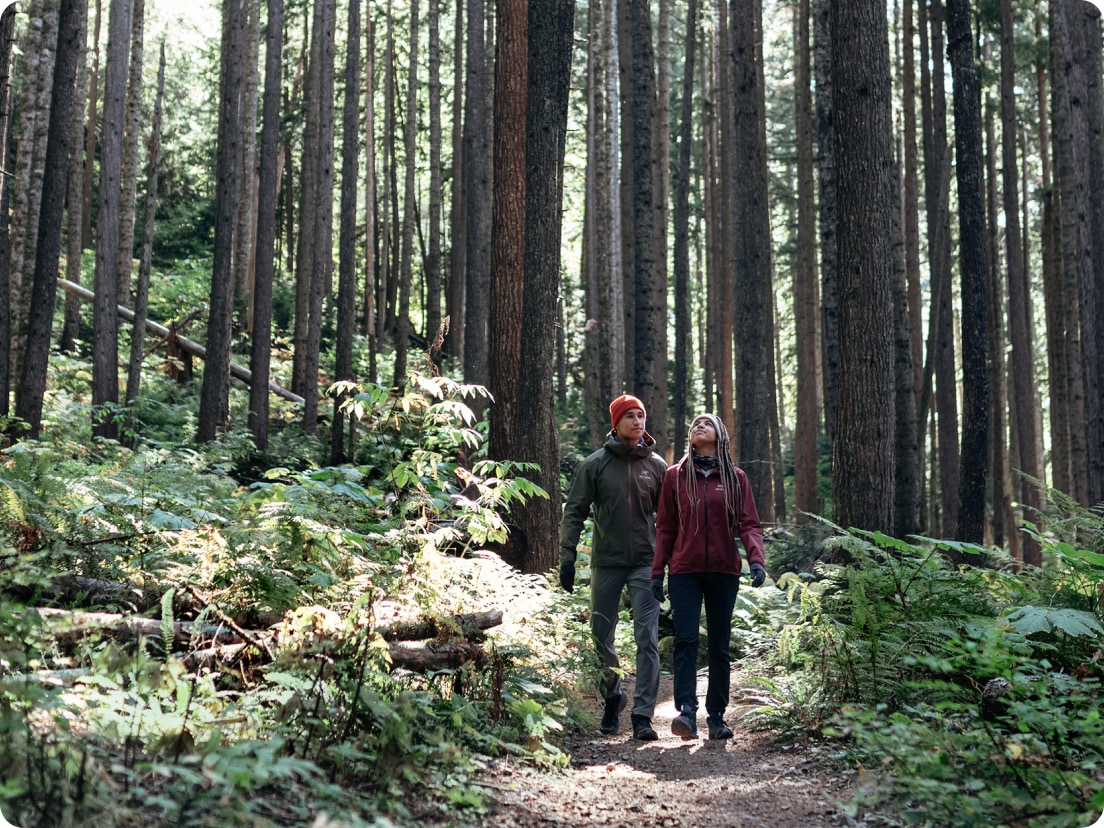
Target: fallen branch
<point>188,345</point>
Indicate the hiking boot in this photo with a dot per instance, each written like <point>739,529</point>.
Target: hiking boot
<point>685,724</point>
<point>718,729</point>
<point>643,730</point>
<point>611,717</point>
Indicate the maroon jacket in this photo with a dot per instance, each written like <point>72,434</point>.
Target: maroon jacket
<point>706,544</point>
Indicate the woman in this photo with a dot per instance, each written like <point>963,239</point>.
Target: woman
<point>704,504</point>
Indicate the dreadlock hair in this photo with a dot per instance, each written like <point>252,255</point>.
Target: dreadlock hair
<point>725,466</point>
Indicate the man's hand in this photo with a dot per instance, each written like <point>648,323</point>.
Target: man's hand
<point>567,576</point>
<point>657,589</point>
<point>758,575</point>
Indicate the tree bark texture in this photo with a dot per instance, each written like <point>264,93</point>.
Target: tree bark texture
<point>1022,369</point>
<point>76,207</point>
<point>260,345</point>
<point>128,210</point>
<point>7,29</point>
<point>805,275</point>
<point>32,384</point>
<point>477,173</point>
<point>141,291</point>
<point>650,306</point>
<point>683,344</point>
<point>826,209</point>
<point>346,265</point>
<point>433,277</point>
<point>508,226</point>
<point>214,403</point>
<point>755,386</point>
<point>974,274</point>
<point>551,24</point>
<point>105,326</point>
<point>1071,180</point>
<point>406,264</point>
<point>863,467</point>
<point>322,253</point>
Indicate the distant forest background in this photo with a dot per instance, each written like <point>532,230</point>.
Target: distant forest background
<point>867,235</point>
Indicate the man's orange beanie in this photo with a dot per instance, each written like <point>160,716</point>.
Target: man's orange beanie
<point>622,404</point>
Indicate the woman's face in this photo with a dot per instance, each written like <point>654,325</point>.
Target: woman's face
<point>703,436</point>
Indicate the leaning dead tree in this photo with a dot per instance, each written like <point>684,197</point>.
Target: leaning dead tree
<point>187,345</point>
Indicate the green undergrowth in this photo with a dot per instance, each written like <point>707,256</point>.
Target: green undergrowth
<point>305,722</point>
<point>963,695</point>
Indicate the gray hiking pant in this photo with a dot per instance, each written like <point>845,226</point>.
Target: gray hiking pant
<point>606,585</point>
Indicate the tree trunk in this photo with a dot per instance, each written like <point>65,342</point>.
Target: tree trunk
<point>937,185</point>
<point>141,293</point>
<point>550,24</point>
<point>683,345</point>
<point>477,174</point>
<point>246,219</point>
<point>593,246</point>
<point>406,273</point>
<point>7,29</point>
<point>454,303</point>
<point>725,233</point>
<point>32,384</point>
<point>105,325</point>
<point>214,402</point>
<point>322,232</point>
<point>308,208</point>
<point>805,276</point>
<point>371,252</point>
<point>133,127</point>
<point>346,265</point>
<point>38,49</point>
<point>508,228</point>
<point>974,273</point>
<point>1004,529</point>
<point>90,132</point>
<point>650,306</point>
<point>1087,19</point>
<point>755,388</point>
<point>863,468</point>
<point>433,259</point>
<point>826,208</point>
<point>261,342</point>
<point>77,207</point>
<point>1071,182</point>
<point>1020,322</point>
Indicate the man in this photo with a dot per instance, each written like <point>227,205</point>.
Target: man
<point>621,481</point>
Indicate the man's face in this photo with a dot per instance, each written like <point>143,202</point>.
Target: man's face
<point>630,428</point>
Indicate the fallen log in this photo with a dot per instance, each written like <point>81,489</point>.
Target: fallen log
<point>188,345</point>
<point>468,625</point>
<point>225,645</point>
<point>70,627</point>
<point>431,656</point>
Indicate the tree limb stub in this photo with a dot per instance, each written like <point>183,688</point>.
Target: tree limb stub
<point>188,345</point>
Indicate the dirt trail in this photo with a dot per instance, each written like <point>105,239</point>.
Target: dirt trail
<point>748,781</point>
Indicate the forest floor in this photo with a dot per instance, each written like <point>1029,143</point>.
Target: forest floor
<point>750,780</point>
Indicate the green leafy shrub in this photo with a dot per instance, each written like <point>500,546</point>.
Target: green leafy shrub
<point>902,645</point>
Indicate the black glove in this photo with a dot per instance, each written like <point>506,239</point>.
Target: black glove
<point>758,575</point>
<point>567,576</point>
<point>657,589</point>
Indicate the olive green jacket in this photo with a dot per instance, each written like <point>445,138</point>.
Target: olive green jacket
<point>621,483</point>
